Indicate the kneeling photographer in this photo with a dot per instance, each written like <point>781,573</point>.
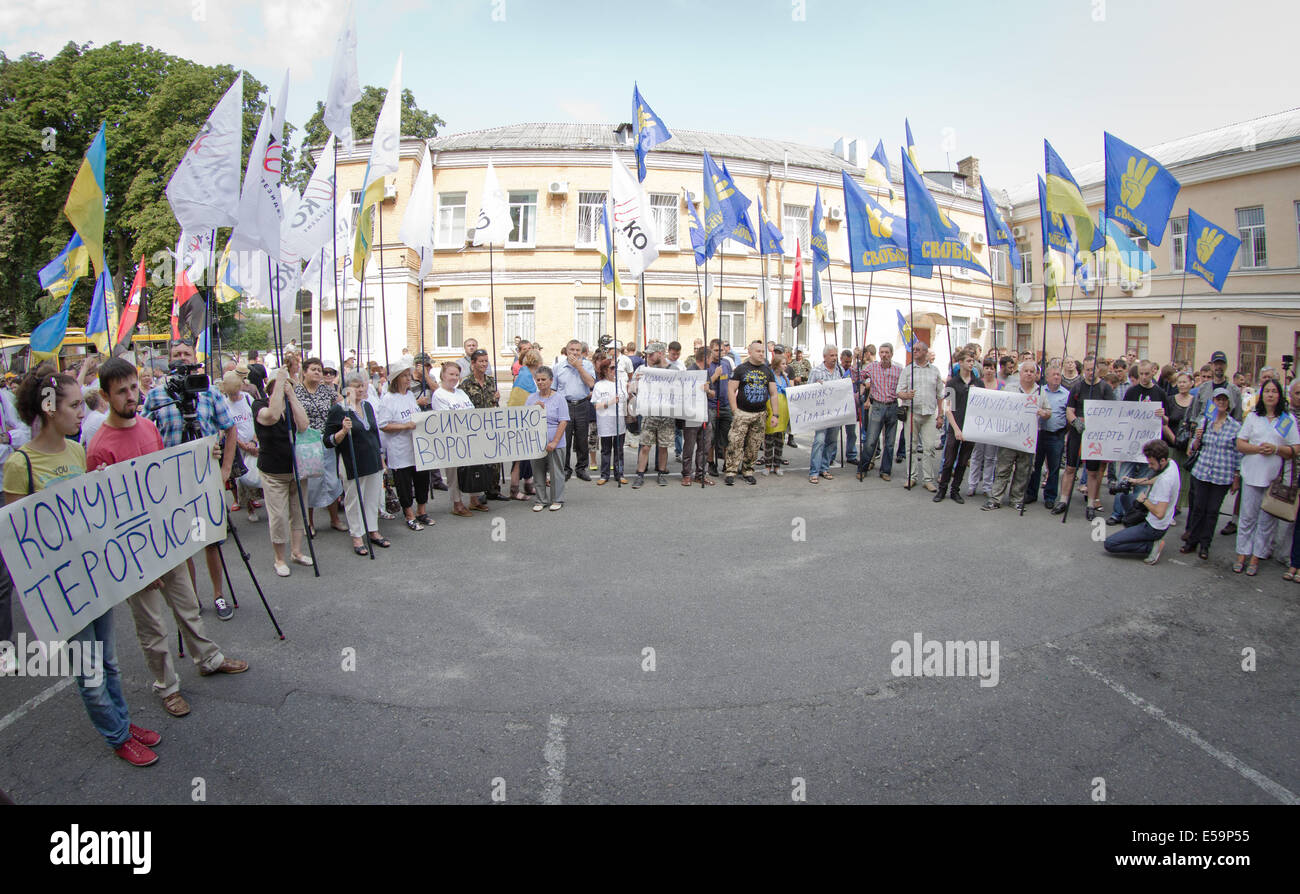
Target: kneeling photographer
<point>1157,496</point>
<point>185,391</point>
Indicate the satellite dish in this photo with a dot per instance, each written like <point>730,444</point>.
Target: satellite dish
<point>1023,294</point>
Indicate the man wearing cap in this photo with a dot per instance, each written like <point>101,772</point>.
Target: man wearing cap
<point>574,378</point>
<point>656,431</point>
<point>1203,397</point>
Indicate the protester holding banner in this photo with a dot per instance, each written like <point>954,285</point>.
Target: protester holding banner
<point>609,398</point>
<point>352,430</point>
<point>397,411</point>
<point>697,434</point>
<point>317,399</point>
<point>1051,440</point>
<point>957,450</point>
<point>1013,464</point>
<point>1143,390</point>
<point>825,440</point>
<point>779,423</point>
<point>450,397</point>
<point>920,388</point>
<point>124,436</point>
<point>1267,437</point>
<point>720,369</point>
<point>852,434</point>
<point>656,431</point>
<point>49,457</point>
<point>483,393</point>
<point>550,487</point>
<point>521,473</point>
<point>984,457</point>
<point>1091,388</point>
<point>1215,472</point>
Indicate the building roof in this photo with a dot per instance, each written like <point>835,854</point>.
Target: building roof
<point>1255,133</point>
<point>605,136</point>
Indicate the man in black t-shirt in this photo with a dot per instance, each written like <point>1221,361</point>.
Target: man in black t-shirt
<point>1089,387</point>
<point>1144,389</point>
<point>753,397</point>
<point>257,374</point>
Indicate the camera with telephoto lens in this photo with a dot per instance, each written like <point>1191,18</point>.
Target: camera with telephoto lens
<point>1287,361</point>
<point>1120,487</point>
<point>184,385</point>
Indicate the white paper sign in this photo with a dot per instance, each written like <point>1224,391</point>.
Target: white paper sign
<point>821,405</point>
<point>82,545</point>
<point>476,437</point>
<point>674,393</point>
<point>1004,418</point>
<point>1115,430</point>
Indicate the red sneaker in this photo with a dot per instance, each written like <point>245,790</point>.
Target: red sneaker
<point>146,737</point>
<point>136,754</point>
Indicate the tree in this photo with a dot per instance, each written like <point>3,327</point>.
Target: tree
<point>153,104</point>
<point>365,115</point>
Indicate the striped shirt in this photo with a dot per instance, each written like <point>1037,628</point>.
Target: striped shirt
<point>884,380</point>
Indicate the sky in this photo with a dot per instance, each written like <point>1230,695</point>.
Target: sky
<point>989,78</point>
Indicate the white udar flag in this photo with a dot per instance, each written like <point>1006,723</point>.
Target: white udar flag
<point>417,222</point>
<point>345,86</point>
<point>204,190</point>
<point>260,207</point>
<point>385,151</point>
<point>634,227</point>
<point>494,223</point>
<point>289,267</point>
<point>307,227</point>
<point>196,255</point>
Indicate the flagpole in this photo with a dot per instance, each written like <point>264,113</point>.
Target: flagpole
<point>1066,319</point>
<point>1046,276</point>
<point>911,321</point>
<point>616,453</point>
<point>1101,294</point>
<point>383,303</point>
<point>993,300</point>
<point>277,332</point>
<point>1182,290</point>
<point>644,336</point>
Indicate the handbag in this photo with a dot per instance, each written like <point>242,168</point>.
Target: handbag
<point>1281,498</point>
<point>309,454</point>
<point>902,414</point>
<point>474,479</point>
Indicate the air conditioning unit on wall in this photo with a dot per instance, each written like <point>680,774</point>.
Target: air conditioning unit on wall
<point>834,213</point>
<point>558,188</point>
<point>626,303</point>
<point>479,306</point>
<point>1018,232</point>
<point>977,325</point>
<point>686,306</point>
<point>830,315</point>
<point>390,188</point>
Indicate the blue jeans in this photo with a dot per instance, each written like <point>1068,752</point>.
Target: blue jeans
<point>882,420</point>
<point>1050,446</point>
<point>1124,502</point>
<point>824,446</point>
<point>850,445</point>
<point>104,702</point>
<point>1137,540</point>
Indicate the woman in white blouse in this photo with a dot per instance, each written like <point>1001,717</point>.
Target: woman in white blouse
<point>397,411</point>
<point>1268,436</point>
<point>450,397</point>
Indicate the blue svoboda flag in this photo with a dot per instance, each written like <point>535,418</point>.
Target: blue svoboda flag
<point>1065,197</point>
<point>877,236</point>
<point>744,231</point>
<point>932,241</point>
<point>650,131</point>
<point>1139,191</point>
<point>995,228</point>
<point>769,237</point>
<point>720,211</point>
<point>904,328</point>
<point>1210,250</point>
<point>703,252</point>
<point>877,168</point>
<point>911,144</point>
<point>820,248</point>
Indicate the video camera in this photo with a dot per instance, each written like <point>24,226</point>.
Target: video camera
<point>184,385</point>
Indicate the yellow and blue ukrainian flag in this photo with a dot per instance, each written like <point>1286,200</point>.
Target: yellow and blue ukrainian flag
<point>85,204</point>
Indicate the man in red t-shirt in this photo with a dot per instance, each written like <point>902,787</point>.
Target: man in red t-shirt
<point>126,435</point>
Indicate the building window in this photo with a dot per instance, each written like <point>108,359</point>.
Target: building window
<point>733,323</point>
<point>447,316</point>
<point>1025,275</point>
<point>1137,339</point>
<point>733,247</point>
<point>1250,227</point>
<point>661,319</point>
<point>1184,347</point>
<point>1252,346</point>
<point>998,262</point>
<point>794,221</point>
<point>663,208</point>
<point>359,327</point>
<point>1095,342</point>
<point>1025,337</point>
<point>451,220</point>
<point>590,210</point>
<point>523,216</point>
<point>588,319</point>
<point>960,331</point>
<point>519,319</point>
<point>355,202</point>
<point>1178,245</point>
<point>1000,334</point>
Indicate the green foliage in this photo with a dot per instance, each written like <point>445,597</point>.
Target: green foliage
<point>254,332</point>
<point>365,115</point>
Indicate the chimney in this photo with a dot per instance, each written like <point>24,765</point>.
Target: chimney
<point>969,167</point>
<point>624,132</point>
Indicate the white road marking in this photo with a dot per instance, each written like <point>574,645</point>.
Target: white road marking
<point>33,702</point>
<point>554,753</point>
<point>1224,757</point>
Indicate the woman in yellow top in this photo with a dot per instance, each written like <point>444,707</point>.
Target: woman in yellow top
<point>47,458</point>
<point>779,423</point>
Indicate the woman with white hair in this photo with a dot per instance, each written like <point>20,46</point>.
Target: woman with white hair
<point>353,432</point>
<point>318,398</point>
<point>241,410</point>
<point>397,412</point>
